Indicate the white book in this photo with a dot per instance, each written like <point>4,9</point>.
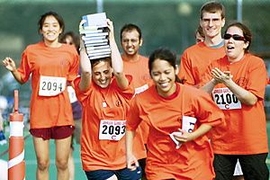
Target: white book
<point>95,20</point>
<point>98,54</point>
<point>95,44</point>
<point>99,57</point>
<point>97,47</point>
<point>102,34</point>
<point>93,31</point>
<point>106,46</point>
<point>96,34</point>
<point>105,51</point>
<point>92,41</point>
<point>89,53</point>
<point>96,31</point>
<point>94,38</point>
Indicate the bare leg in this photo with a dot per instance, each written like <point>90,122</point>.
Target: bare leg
<point>71,167</point>
<point>241,177</point>
<point>62,156</point>
<point>42,155</point>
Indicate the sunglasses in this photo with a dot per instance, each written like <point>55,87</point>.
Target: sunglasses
<point>234,36</point>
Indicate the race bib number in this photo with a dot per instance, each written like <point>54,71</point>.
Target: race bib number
<point>112,129</point>
<point>225,99</point>
<point>141,89</point>
<point>51,86</point>
<point>71,94</point>
<point>188,123</point>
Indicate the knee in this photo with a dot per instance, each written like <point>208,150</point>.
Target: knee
<point>43,165</point>
<point>62,164</point>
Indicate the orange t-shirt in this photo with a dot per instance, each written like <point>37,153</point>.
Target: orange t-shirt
<point>139,71</point>
<point>195,60</point>
<point>103,119</point>
<point>245,130</point>
<point>39,61</point>
<point>141,80</point>
<point>193,160</point>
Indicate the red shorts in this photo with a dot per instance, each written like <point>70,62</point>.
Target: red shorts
<point>57,132</point>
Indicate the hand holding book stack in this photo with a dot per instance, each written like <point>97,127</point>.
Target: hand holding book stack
<point>94,31</point>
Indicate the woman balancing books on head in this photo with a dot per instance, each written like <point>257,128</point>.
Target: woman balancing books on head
<point>104,92</point>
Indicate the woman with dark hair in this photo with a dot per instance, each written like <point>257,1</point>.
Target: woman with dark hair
<point>178,116</point>
<point>104,91</point>
<point>51,66</point>
<point>237,83</point>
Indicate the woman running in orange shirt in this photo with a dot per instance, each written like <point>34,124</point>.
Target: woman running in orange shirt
<point>178,116</point>
<point>51,66</point>
<point>104,92</point>
<point>237,83</point>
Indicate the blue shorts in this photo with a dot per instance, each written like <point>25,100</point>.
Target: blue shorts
<point>123,174</point>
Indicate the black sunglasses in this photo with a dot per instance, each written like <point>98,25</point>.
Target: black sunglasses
<point>234,36</point>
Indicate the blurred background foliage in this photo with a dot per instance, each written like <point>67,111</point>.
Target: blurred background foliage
<point>167,23</point>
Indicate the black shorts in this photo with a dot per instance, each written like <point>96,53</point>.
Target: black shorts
<point>253,166</point>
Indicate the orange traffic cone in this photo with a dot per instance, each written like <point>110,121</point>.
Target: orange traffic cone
<point>16,164</point>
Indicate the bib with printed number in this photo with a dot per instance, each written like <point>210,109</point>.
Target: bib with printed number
<point>51,85</point>
<point>225,99</point>
<point>112,129</point>
<point>140,89</point>
<point>188,123</point>
<point>71,94</point>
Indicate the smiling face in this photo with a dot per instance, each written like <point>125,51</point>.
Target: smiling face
<point>50,29</point>
<point>131,42</point>
<point>102,73</point>
<point>163,75</point>
<point>212,24</point>
<point>235,43</point>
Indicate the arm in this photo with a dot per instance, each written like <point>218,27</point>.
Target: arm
<point>186,70</point>
<point>85,66</point>
<point>132,162</point>
<point>184,136</point>
<point>208,87</point>
<point>243,95</point>
<point>117,62</point>
<point>11,66</point>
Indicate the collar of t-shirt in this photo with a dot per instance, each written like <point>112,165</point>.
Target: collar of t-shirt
<point>221,44</point>
<point>172,96</point>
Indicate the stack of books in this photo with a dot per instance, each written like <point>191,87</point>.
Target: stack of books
<point>94,31</point>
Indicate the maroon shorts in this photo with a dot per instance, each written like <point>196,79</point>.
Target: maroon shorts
<point>57,132</point>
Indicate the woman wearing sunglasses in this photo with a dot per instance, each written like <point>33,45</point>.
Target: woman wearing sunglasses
<point>237,83</point>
